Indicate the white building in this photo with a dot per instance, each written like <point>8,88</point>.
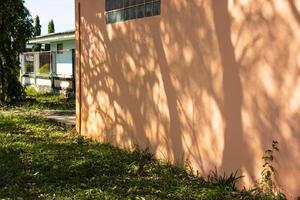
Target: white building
<point>50,69</point>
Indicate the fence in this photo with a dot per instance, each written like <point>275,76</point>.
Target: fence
<point>51,69</point>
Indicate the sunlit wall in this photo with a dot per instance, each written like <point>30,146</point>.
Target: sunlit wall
<point>210,83</point>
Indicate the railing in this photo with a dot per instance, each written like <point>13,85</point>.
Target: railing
<point>55,69</point>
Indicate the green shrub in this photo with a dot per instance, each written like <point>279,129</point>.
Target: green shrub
<point>30,91</point>
<point>224,181</point>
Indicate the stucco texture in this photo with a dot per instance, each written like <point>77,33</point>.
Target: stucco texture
<point>207,82</point>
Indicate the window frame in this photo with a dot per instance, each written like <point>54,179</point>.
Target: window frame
<point>124,10</point>
<point>59,51</point>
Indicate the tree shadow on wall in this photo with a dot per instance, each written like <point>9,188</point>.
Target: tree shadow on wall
<point>261,78</point>
<point>235,150</point>
<point>294,10</point>
<point>133,103</point>
<point>172,83</point>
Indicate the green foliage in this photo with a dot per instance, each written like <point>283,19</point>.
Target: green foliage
<point>51,27</point>
<point>37,32</point>
<point>32,92</point>
<point>15,29</point>
<point>80,140</point>
<point>44,100</point>
<point>39,160</point>
<point>224,181</point>
<point>267,182</point>
<point>37,26</point>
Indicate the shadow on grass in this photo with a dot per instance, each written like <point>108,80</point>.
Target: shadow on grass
<point>40,159</point>
<point>57,165</point>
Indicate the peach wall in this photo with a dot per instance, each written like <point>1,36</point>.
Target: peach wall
<point>205,82</point>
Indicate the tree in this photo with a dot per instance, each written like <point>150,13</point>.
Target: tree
<point>51,27</point>
<point>15,30</point>
<point>37,26</point>
<point>37,32</point>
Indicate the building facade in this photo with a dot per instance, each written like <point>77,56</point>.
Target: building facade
<point>51,68</point>
<point>211,83</point>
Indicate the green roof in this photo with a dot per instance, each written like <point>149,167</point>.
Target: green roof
<point>53,37</point>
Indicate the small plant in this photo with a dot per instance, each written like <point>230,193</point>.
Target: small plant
<point>267,182</point>
<point>30,91</point>
<point>143,157</point>
<point>227,182</point>
<point>268,172</point>
<point>189,168</point>
<point>80,140</point>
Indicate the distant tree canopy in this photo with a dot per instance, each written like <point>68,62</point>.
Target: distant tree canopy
<point>51,27</point>
<point>36,32</point>
<point>15,29</point>
<point>37,26</point>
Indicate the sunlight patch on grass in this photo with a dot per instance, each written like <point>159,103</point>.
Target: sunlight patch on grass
<point>40,159</point>
<point>43,100</point>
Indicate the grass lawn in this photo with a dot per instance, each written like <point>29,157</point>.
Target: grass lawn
<point>45,101</point>
<point>40,159</point>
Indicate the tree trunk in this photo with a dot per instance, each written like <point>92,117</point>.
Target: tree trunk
<point>1,81</point>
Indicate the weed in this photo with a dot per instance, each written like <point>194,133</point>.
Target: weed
<point>224,181</point>
<point>80,140</point>
<point>267,183</point>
